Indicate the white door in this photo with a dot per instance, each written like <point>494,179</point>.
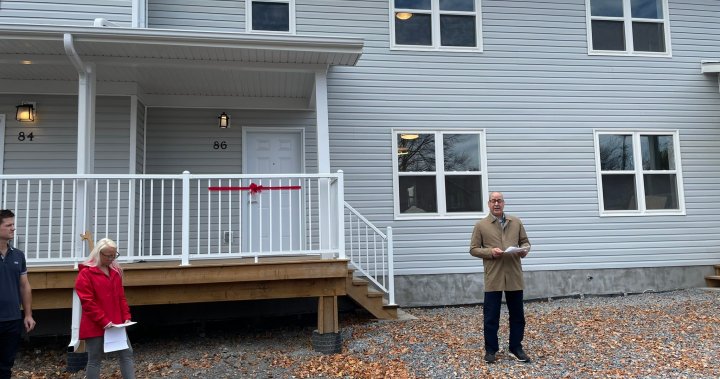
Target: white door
<point>273,217</point>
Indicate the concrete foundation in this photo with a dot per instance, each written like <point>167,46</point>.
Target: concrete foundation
<point>456,289</point>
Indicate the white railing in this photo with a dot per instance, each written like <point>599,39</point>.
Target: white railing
<point>370,251</point>
<point>183,217</point>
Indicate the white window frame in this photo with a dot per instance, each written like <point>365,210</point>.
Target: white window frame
<point>291,17</point>
<point>628,20</point>
<point>439,174</point>
<point>435,13</point>
<point>639,172</point>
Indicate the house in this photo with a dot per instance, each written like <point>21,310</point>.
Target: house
<point>598,119</point>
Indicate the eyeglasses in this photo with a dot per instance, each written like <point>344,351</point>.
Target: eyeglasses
<point>110,256</point>
<point>493,201</point>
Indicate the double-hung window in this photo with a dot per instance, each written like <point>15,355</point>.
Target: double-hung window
<point>639,173</point>
<point>271,16</point>
<point>634,27</point>
<point>439,173</point>
<point>436,24</point>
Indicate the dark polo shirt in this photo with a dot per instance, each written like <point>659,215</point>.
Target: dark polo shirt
<point>11,268</point>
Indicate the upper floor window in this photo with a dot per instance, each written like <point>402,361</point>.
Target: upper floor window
<point>436,24</point>
<point>439,173</point>
<point>637,27</point>
<point>271,16</point>
<point>639,173</point>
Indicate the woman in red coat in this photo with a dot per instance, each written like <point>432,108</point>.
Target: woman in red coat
<point>99,287</point>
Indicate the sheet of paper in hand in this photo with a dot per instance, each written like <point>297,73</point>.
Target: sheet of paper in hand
<point>513,250</point>
<point>115,339</point>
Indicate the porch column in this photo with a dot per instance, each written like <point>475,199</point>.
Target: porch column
<point>327,234</point>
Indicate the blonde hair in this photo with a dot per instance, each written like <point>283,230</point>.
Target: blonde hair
<point>94,258</point>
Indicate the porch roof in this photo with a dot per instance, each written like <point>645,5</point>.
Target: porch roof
<point>163,66</point>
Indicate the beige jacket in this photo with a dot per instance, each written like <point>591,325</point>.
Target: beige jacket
<point>504,273</point>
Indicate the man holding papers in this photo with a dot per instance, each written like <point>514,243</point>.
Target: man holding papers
<point>500,240</point>
<point>105,311</point>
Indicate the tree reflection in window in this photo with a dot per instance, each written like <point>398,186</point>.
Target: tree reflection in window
<point>616,152</point>
<point>418,154</point>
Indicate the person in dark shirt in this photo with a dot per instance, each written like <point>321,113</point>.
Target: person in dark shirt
<point>15,291</point>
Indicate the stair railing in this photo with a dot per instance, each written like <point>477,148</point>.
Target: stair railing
<point>370,251</point>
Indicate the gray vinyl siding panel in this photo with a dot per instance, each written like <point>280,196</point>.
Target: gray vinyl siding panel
<point>217,15</point>
<point>74,12</point>
<point>183,139</point>
<point>538,96</point>
<point>54,146</point>
<point>140,139</point>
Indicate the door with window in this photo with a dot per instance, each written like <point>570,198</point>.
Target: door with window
<point>273,210</point>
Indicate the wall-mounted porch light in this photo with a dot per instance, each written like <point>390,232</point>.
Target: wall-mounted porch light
<point>409,136</point>
<point>403,15</point>
<point>403,151</point>
<point>26,112</point>
<point>224,121</point>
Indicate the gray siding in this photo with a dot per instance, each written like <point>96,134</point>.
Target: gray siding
<point>218,15</point>
<point>73,12</point>
<point>182,139</point>
<point>538,96</point>
<point>140,139</point>
<point>54,146</point>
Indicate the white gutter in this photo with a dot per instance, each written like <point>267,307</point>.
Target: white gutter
<point>85,160</point>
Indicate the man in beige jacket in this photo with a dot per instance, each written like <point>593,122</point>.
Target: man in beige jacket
<point>491,238</point>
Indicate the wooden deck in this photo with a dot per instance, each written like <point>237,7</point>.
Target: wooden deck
<point>166,282</point>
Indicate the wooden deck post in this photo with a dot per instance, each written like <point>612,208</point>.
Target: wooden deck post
<point>326,339</point>
<point>327,314</point>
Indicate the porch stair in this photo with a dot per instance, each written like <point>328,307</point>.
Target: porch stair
<point>714,280</point>
<point>369,298</point>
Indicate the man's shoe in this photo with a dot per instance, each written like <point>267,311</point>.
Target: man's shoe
<point>490,357</point>
<point>520,355</point>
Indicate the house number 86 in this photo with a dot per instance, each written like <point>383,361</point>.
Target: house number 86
<point>220,145</point>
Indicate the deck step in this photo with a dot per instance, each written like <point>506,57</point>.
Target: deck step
<point>360,291</point>
<point>712,280</point>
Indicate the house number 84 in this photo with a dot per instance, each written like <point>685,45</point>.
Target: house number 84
<point>219,145</point>
<point>23,137</point>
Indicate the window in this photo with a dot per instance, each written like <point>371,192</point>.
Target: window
<point>271,16</point>
<point>639,173</point>
<point>439,173</point>
<point>436,24</point>
<point>637,27</point>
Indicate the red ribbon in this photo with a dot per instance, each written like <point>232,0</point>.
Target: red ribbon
<point>253,188</point>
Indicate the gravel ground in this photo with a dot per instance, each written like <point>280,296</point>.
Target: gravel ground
<point>654,335</point>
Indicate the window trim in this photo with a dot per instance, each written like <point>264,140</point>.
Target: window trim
<point>639,173</point>
<point>291,17</point>
<point>627,27</point>
<point>439,174</point>
<point>435,28</point>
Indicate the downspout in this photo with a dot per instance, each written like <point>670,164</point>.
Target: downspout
<point>85,164</point>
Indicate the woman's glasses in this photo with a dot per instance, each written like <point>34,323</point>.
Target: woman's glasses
<point>110,256</point>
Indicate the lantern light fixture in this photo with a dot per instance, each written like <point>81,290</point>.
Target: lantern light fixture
<point>26,112</point>
<point>224,121</point>
<point>409,136</point>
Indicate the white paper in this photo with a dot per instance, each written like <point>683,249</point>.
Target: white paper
<point>127,323</point>
<point>115,339</point>
<point>513,249</point>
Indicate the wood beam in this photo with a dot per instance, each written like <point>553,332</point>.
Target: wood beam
<point>327,315</point>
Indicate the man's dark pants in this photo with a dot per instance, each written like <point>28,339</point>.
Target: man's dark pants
<point>9,342</point>
<point>491,319</point>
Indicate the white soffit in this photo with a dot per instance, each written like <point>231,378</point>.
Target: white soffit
<point>180,63</point>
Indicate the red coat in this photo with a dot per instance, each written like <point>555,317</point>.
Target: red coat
<point>103,300</point>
